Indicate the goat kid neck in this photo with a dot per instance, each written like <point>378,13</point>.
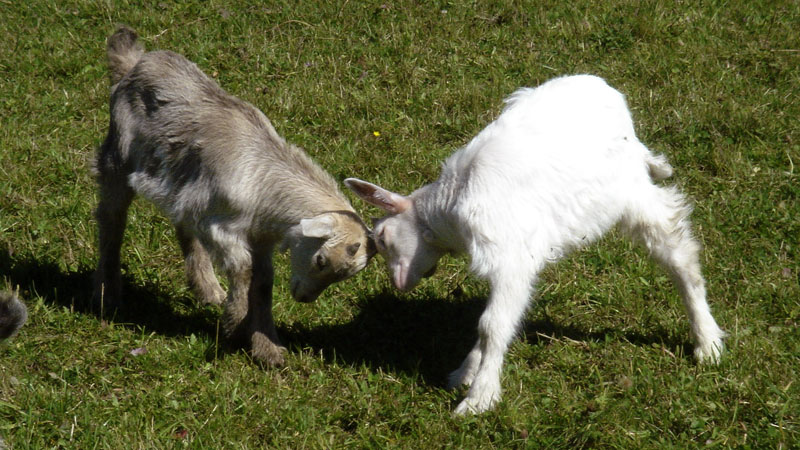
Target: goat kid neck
<point>434,205</point>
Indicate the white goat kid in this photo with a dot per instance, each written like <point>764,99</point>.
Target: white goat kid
<point>557,169</point>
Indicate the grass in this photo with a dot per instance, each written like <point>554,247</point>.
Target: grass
<point>603,360</point>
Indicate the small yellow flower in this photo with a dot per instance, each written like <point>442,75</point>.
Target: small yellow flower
<point>376,133</point>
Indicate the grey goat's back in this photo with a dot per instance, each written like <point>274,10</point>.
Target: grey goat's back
<point>182,141</point>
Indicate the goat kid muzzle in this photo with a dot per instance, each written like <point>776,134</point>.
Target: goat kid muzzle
<point>302,296</point>
<point>400,277</point>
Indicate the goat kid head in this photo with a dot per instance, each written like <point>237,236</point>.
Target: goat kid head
<point>406,243</point>
<point>325,249</point>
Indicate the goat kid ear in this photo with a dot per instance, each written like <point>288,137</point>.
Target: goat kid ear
<point>320,226</point>
<point>378,196</point>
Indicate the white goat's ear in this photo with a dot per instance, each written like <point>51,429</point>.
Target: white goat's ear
<point>320,226</point>
<point>378,196</point>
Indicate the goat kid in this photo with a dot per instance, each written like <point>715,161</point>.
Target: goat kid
<point>557,169</point>
<point>13,314</point>
<point>232,187</point>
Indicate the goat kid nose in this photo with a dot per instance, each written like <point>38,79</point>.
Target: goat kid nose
<point>400,277</point>
<point>398,281</point>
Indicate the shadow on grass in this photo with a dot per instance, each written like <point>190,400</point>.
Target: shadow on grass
<point>428,337</point>
<point>144,306</point>
<point>543,331</point>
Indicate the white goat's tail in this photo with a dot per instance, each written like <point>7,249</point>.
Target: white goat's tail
<point>658,166</point>
<point>123,51</point>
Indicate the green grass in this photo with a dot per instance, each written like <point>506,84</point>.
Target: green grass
<point>603,360</point>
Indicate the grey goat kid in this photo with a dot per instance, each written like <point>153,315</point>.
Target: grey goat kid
<point>233,188</point>
<point>13,314</point>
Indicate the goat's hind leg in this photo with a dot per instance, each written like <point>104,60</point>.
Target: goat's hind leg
<point>661,223</point>
<point>199,269</point>
<point>111,215</point>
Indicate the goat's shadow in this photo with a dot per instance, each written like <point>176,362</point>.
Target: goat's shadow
<point>426,337</point>
<point>429,337</point>
<point>144,305</point>
<point>422,336</point>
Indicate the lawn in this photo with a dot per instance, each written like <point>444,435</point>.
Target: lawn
<point>385,91</point>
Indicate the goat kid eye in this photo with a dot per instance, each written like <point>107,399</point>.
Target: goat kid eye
<point>352,249</point>
<point>380,242</point>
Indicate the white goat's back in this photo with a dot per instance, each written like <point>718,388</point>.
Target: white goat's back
<point>574,108</point>
<point>559,166</point>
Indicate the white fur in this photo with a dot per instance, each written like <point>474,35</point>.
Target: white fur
<point>557,169</point>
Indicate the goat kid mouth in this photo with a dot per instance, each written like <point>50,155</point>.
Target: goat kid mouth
<point>400,278</point>
<point>293,288</point>
<point>306,298</point>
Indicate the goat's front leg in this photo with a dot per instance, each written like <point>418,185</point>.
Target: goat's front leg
<point>248,312</point>
<point>264,343</point>
<point>496,328</point>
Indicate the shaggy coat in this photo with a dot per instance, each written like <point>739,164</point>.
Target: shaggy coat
<point>558,168</point>
<point>13,314</point>
<point>233,188</point>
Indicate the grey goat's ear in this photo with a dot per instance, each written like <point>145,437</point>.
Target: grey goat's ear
<point>320,226</point>
<point>377,196</point>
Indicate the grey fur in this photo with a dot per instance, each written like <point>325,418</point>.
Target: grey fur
<point>233,188</point>
<point>13,314</point>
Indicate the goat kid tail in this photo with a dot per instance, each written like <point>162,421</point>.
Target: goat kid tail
<point>658,166</point>
<point>123,51</point>
<point>13,314</point>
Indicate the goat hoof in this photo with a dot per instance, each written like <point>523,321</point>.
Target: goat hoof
<point>266,352</point>
<point>218,298</point>
<point>106,303</point>
<point>469,406</point>
<point>710,353</point>
<point>459,378</point>
<point>270,358</point>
